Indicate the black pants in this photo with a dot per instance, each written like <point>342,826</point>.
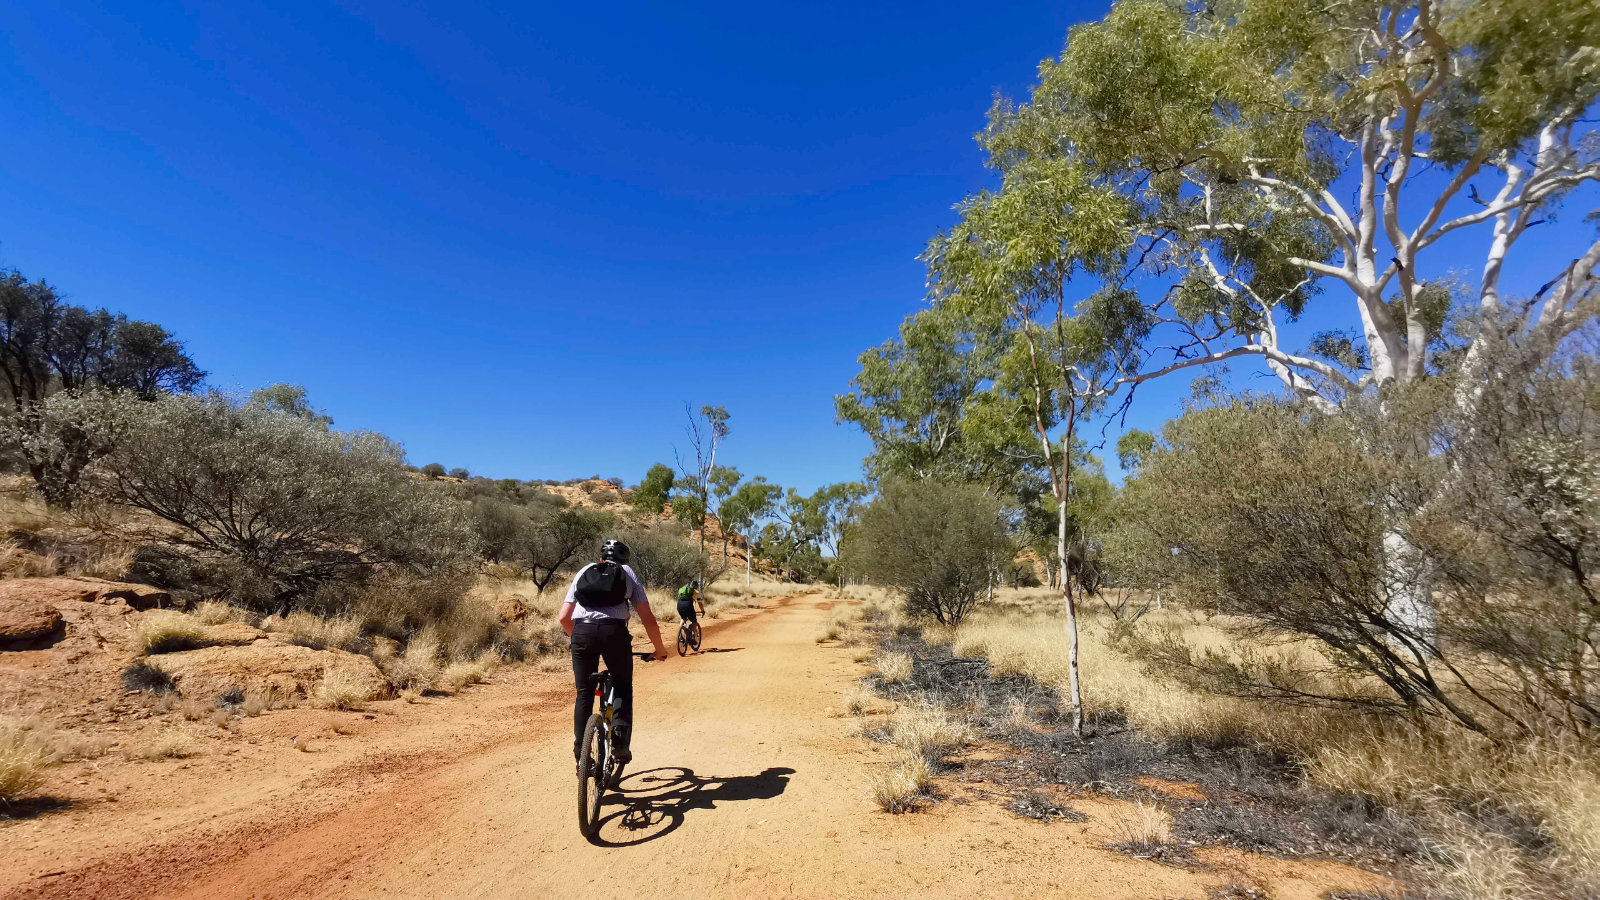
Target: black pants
<point>686,611</point>
<point>591,642</point>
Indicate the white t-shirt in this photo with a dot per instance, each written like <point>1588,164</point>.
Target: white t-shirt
<point>621,611</point>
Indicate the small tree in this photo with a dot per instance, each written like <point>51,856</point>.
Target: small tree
<point>557,538</point>
<point>433,470</point>
<point>652,493</point>
<point>706,434</point>
<point>936,544</point>
<point>460,473</point>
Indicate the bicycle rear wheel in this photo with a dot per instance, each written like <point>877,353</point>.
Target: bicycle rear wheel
<point>593,761</point>
<point>683,641</point>
<point>694,636</point>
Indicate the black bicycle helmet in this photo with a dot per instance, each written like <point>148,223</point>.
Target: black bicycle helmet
<point>615,551</point>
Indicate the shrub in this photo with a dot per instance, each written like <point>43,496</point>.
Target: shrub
<point>316,632</point>
<point>419,668</point>
<point>458,675</point>
<point>63,435</point>
<point>938,545</point>
<point>142,676</point>
<point>432,470</point>
<point>662,556</point>
<point>1301,524</point>
<point>287,508</point>
<point>460,473</point>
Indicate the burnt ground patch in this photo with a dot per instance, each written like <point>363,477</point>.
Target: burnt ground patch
<point>1253,799</point>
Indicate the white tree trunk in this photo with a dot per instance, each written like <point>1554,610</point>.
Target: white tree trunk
<point>747,564</point>
<point>1072,618</point>
<point>1408,590</point>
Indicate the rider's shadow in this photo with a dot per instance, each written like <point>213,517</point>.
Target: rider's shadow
<point>653,803</point>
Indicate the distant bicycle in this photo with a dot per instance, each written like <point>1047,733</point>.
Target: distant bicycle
<point>598,769</point>
<point>688,637</point>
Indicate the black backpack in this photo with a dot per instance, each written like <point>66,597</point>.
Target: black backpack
<point>602,584</point>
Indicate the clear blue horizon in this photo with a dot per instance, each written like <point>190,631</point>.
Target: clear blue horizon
<point>521,242</point>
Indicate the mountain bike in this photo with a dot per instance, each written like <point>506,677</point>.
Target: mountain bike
<point>688,636</point>
<point>598,768</point>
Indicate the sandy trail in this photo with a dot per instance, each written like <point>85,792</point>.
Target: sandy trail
<point>745,781</point>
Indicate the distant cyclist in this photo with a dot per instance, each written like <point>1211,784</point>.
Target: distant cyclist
<point>595,616</point>
<point>688,598</point>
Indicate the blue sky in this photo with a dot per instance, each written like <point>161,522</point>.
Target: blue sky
<point>518,241</point>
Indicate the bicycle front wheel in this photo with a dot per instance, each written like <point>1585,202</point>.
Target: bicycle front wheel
<point>593,759</point>
<point>694,636</point>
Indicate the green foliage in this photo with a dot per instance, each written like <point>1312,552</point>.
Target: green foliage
<point>662,556</point>
<point>287,510</point>
<point>939,545</point>
<point>460,473</point>
<point>48,345</point>
<point>433,470</point>
<point>652,493</point>
<point>1133,448</point>
<point>289,399</point>
<point>1257,509</point>
<point>60,437</point>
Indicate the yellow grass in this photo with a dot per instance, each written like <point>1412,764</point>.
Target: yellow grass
<point>419,668</point>
<point>460,674</point>
<point>164,631</point>
<point>339,689</point>
<point>339,633</point>
<point>25,753</point>
<point>929,731</point>
<point>1142,826</point>
<point>898,788</point>
<point>1554,782</point>
<point>168,743</point>
<point>894,668</point>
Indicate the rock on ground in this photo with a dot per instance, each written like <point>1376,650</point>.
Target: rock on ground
<point>28,622</point>
<point>285,670</point>
<point>58,591</point>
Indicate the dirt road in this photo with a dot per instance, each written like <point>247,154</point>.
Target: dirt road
<point>746,782</point>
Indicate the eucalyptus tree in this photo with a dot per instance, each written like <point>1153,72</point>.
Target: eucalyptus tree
<point>743,511</point>
<point>706,433</point>
<point>1271,151</point>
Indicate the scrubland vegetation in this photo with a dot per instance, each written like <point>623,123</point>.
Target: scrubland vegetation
<point>1376,581</point>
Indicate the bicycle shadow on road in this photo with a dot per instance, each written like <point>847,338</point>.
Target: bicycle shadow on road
<point>652,804</point>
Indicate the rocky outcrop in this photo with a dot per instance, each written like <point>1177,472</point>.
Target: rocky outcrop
<point>57,591</point>
<point>285,670</point>
<point>27,623</point>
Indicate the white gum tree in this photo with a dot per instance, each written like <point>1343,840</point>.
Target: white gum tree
<point>1216,168</point>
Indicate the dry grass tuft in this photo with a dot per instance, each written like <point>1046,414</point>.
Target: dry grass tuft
<point>419,668</point>
<point>894,668</point>
<point>1141,827</point>
<point>25,752</point>
<point>169,743</point>
<point>929,731</point>
<point>460,674</point>
<point>163,631</point>
<point>213,612</point>
<point>903,786</point>
<point>339,689</point>
<point>307,630</point>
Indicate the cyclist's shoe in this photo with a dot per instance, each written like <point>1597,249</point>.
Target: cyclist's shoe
<point>624,756</point>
